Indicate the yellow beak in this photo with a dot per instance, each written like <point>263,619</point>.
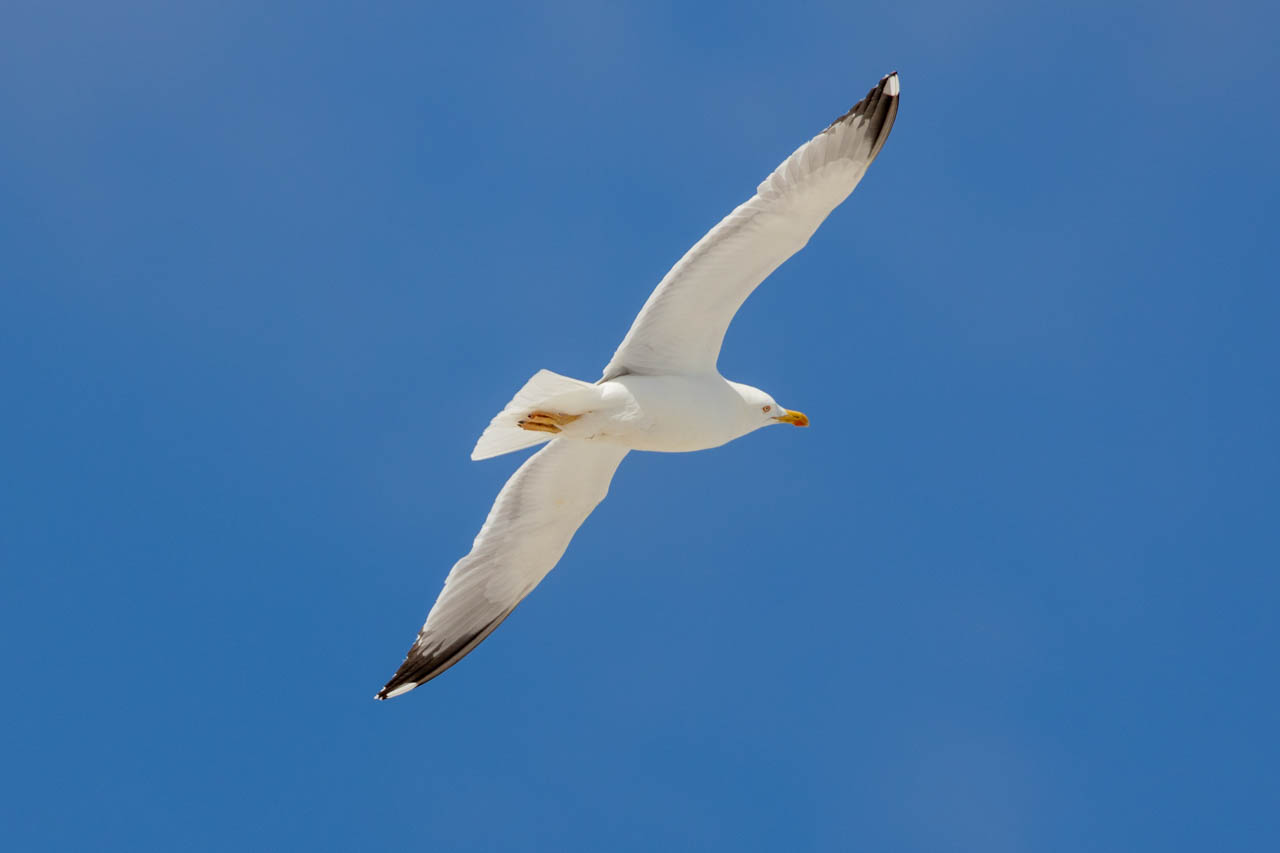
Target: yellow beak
<point>793,418</point>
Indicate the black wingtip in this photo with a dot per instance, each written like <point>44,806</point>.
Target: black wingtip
<point>878,109</point>
<point>421,665</point>
<point>886,90</point>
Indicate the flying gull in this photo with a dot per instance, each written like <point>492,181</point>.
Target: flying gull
<point>661,391</point>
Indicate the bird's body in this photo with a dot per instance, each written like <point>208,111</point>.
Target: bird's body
<point>661,391</point>
<point>666,414</point>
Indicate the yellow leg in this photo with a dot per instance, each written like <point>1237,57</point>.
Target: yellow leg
<point>546,421</point>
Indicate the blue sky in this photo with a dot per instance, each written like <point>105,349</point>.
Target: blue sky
<point>268,269</point>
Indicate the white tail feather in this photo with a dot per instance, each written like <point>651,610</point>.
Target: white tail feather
<point>545,390</point>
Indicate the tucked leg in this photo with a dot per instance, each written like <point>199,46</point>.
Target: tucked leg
<point>547,421</point>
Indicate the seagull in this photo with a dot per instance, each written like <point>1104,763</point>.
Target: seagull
<point>661,391</point>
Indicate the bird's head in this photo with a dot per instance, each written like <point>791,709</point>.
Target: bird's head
<point>760,409</point>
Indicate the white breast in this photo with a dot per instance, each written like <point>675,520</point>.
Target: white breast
<point>672,414</point>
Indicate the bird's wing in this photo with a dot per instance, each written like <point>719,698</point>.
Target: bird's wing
<point>682,325</point>
<point>536,514</point>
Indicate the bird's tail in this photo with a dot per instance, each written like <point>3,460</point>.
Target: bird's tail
<point>544,391</point>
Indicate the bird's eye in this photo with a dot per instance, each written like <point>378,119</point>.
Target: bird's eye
<point>766,408</point>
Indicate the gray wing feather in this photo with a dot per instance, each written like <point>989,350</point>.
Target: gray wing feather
<point>682,325</point>
<point>532,521</point>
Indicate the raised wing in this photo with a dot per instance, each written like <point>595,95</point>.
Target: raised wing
<point>682,325</point>
<point>536,514</point>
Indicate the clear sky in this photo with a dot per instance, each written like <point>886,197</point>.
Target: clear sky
<point>268,269</point>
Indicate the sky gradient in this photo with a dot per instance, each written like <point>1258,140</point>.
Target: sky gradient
<point>267,270</point>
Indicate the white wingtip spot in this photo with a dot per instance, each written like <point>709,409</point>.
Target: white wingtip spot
<point>891,88</point>
<point>403,688</point>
